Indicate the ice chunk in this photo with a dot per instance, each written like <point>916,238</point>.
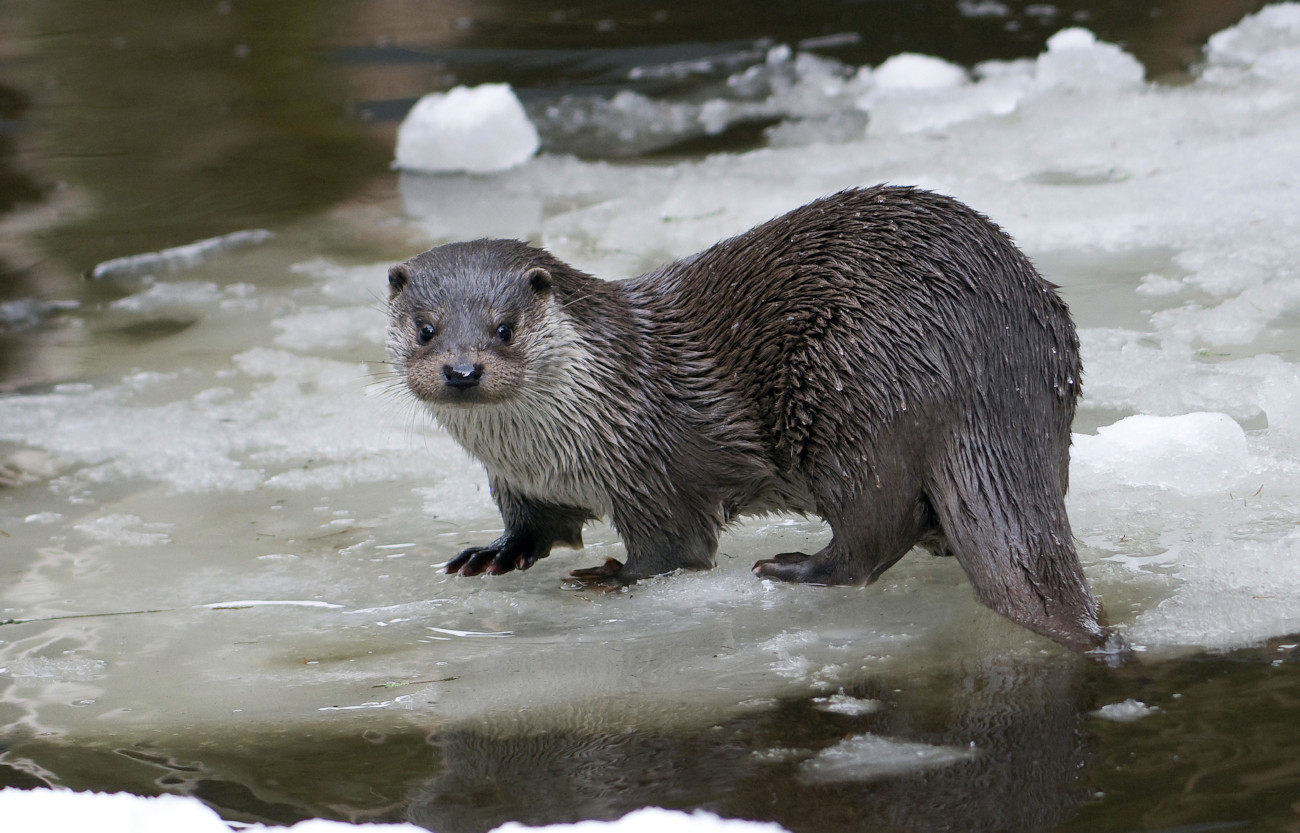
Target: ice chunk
<point>912,93</point>
<point>1266,44</point>
<point>982,8</point>
<point>1193,453</point>
<point>910,71</point>
<point>866,757</point>
<point>1126,712</point>
<point>1076,60</point>
<point>1071,39</point>
<point>846,704</point>
<point>475,129</point>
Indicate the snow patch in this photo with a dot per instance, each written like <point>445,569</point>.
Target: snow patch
<point>64,811</point>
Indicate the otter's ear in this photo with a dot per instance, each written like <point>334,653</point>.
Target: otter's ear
<point>539,279</point>
<point>398,277</point>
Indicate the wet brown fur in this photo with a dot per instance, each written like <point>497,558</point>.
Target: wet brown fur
<point>884,358</point>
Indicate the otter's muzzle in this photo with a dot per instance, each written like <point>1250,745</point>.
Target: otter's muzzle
<point>462,375</point>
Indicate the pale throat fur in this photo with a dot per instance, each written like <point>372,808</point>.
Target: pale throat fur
<point>547,440</point>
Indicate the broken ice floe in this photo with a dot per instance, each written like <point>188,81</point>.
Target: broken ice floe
<point>866,757</point>
<point>179,258</point>
<point>1126,711</point>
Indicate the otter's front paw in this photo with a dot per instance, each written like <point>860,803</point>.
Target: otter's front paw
<point>602,579</point>
<point>509,552</point>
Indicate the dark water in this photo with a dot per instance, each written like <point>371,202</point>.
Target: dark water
<point>130,126</point>
<point>148,125</point>
<point>1221,752</point>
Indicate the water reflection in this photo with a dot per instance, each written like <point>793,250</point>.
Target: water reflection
<point>1021,719</point>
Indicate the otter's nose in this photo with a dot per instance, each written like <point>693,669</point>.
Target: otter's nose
<point>462,375</point>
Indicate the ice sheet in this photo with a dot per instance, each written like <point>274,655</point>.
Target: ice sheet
<point>262,453</point>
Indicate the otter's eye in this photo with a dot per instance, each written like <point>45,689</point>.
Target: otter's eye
<point>505,332</point>
<point>426,334</point>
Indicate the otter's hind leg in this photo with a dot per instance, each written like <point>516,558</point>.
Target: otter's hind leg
<point>1003,515</point>
<point>869,535</point>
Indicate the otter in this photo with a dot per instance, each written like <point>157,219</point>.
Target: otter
<point>884,358</point>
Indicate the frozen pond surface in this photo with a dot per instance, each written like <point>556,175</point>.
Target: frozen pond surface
<point>221,540</point>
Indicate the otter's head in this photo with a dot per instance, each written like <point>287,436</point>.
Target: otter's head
<point>468,321</point>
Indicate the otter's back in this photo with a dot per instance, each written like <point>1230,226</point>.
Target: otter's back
<point>873,306</point>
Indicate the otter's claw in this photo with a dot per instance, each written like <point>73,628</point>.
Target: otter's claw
<point>602,579</point>
<point>501,556</point>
